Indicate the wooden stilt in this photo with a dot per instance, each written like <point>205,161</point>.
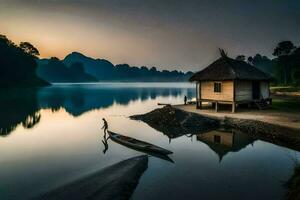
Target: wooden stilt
<point>216,106</point>
<point>199,104</point>
<point>233,107</point>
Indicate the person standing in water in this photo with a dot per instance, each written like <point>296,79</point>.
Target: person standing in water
<point>185,100</point>
<point>105,126</point>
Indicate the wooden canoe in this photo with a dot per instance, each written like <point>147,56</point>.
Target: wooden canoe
<point>138,144</point>
<point>163,104</point>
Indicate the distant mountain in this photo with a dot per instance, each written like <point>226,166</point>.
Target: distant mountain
<point>55,71</point>
<point>99,68</point>
<point>104,70</point>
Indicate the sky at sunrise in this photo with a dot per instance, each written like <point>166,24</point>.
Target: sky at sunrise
<point>168,34</point>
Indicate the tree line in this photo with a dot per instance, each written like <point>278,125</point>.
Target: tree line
<point>21,67</point>
<point>285,66</point>
<point>104,70</point>
<point>18,64</point>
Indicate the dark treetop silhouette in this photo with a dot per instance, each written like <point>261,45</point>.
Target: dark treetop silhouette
<point>18,64</point>
<point>285,67</point>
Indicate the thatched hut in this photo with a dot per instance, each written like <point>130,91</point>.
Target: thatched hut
<point>229,81</point>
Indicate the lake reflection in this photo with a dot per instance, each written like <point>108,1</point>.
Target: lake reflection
<point>22,106</point>
<point>223,142</point>
<point>51,136</point>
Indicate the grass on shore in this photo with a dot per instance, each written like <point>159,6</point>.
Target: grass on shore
<point>293,184</point>
<point>286,104</point>
<point>285,89</point>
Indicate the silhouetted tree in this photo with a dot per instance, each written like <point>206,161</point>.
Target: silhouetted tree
<point>283,51</point>
<point>241,58</point>
<point>250,60</point>
<point>29,49</point>
<point>261,62</point>
<point>284,48</point>
<point>295,61</point>
<point>18,64</point>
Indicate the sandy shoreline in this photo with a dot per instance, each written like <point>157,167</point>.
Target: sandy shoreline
<point>280,128</point>
<point>285,119</point>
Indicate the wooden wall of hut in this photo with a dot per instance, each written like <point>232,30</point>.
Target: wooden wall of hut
<point>226,94</point>
<point>243,91</point>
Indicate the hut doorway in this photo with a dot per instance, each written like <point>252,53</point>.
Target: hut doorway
<point>255,90</point>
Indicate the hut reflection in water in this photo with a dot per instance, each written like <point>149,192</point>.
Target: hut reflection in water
<point>224,141</point>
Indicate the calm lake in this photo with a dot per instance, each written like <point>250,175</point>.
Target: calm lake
<point>51,136</point>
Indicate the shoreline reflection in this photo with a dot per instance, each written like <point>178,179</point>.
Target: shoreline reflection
<point>22,106</point>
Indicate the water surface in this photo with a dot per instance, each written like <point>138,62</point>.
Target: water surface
<point>51,136</point>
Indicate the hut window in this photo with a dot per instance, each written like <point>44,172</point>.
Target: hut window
<point>217,139</point>
<point>217,87</point>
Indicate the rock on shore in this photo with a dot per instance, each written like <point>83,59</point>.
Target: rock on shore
<point>175,122</point>
<point>116,182</point>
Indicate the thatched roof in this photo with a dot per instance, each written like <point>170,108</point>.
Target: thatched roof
<point>226,68</point>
